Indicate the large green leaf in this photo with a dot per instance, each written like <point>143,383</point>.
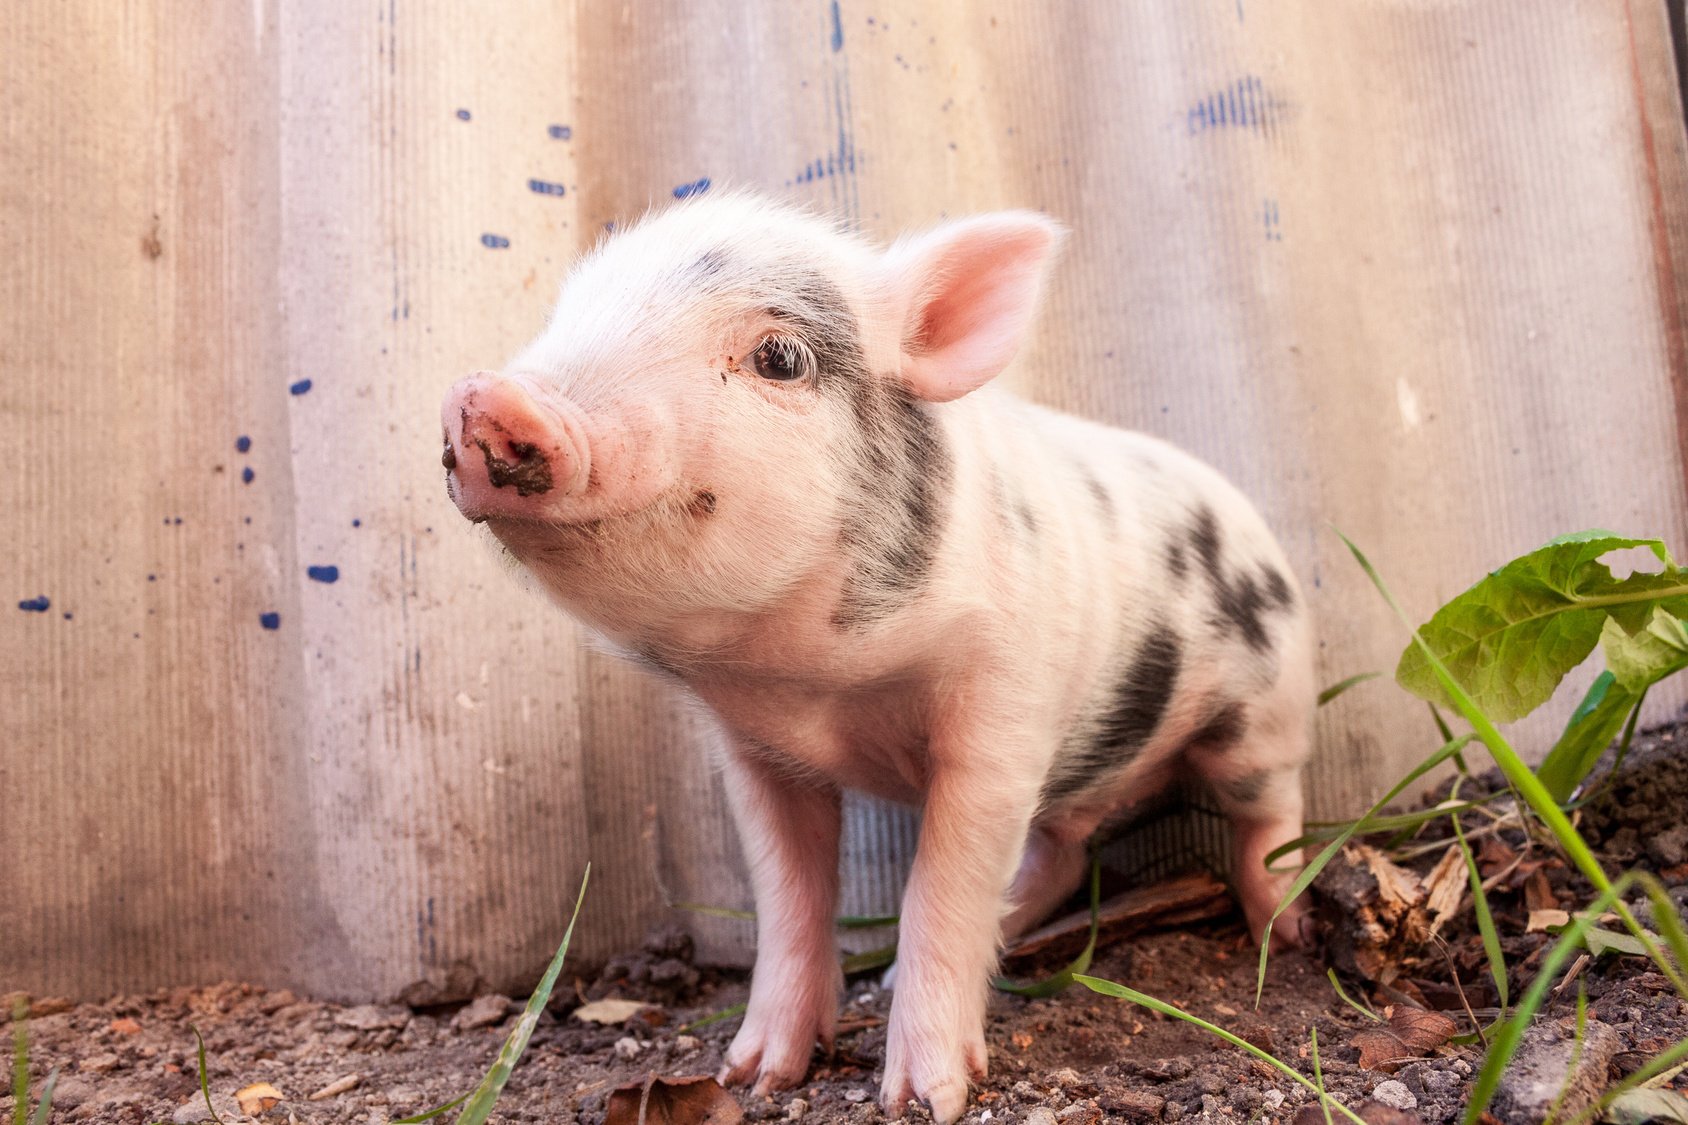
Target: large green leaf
<point>1511,638</point>
<point>1656,650</point>
<point>1593,725</point>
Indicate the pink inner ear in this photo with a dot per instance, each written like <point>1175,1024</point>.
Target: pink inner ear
<point>979,281</point>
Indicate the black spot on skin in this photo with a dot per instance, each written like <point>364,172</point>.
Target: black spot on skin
<point>894,510</point>
<point>1240,600</point>
<point>1175,561</point>
<point>1099,493</point>
<point>1276,587</point>
<point>815,311</point>
<point>703,504</point>
<point>1223,731</point>
<point>529,472</point>
<point>1245,790</point>
<point>1204,536</point>
<point>1028,518</point>
<point>1129,720</point>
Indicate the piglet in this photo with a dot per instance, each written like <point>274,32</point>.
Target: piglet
<point>756,454</point>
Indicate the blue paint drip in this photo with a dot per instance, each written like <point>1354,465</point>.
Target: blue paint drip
<point>323,573</point>
<point>560,132</point>
<point>495,241</point>
<point>35,605</point>
<point>463,115</point>
<point>696,187</point>
<point>545,187</point>
<point>357,523</point>
<point>1243,103</point>
<point>246,475</point>
<point>242,443</point>
<point>270,620</point>
<point>299,388</point>
<point>837,28</point>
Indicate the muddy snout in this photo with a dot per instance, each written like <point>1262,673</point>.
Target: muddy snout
<point>509,448</point>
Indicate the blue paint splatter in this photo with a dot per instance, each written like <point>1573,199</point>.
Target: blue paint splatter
<point>270,620</point>
<point>242,443</point>
<point>323,573</point>
<point>560,132</point>
<point>35,605</point>
<point>299,388</point>
<point>545,187</point>
<point>1243,104</point>
<point>463,115</point>
<point>1274,224</point>
<point>495,241</point>
<point>837,28</point>
<point>67,615</point>
<point>357,523</point>
<point>152,578</point>
<point>246,475</point>
<point>696,187</point>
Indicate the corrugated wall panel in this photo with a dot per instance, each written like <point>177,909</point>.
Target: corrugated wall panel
<point>1416,270</point>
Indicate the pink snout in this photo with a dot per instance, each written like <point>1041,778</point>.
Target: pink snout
<point>510,450</point>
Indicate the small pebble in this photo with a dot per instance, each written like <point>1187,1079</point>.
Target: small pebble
<point>795,1109</point>
<point>1273,1098</point>
<point>855,1095</point>
<point>1042,1115</point>
<point>1394,1093</point>
<point>627,1047</point>
<point>483,1011</point>
<point>686,1044</point>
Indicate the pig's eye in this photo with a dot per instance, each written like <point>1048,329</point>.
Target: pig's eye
<point>781,359</point>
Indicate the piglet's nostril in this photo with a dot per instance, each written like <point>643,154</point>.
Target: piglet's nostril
<point>526,469</point>
<point>449,457</point>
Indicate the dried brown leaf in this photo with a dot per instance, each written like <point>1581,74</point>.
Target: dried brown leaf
<point>1445,888</point>
<point>672,1101</point>
<point>1538,892</point>
<point>260,1097</point>
<point>1410,1033</point>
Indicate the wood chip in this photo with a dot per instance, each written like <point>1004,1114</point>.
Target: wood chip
<point>337,1087</point>
<point>1175,902</point>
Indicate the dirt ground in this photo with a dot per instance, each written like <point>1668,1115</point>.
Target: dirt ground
<point>1076,1059</point>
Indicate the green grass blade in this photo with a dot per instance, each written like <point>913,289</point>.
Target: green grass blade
<point>1311,871</point>
<point>1059,982</point>
<point>867,921</point>
<point>485,1096</point>
<point>1521,777</point>
<point>1363,1009</point>
<point>1319,1076</point>
<point>44,1108</point>
<point>1320,831</point>
<point>428,1115</point>
<point>868,960</point>
<point>204,1078</point>
<point>716,911</point>
<point>20,1061</point>
<point>715,1017</point>
<point>1341,686</point>
<point>1120,991</point>
<point>1485,918</point>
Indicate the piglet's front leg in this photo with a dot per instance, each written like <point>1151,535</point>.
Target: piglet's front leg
<point>789,830</point>
<point>977,811</point>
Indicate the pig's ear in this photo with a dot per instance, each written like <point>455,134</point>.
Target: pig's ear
<point>969,289</point>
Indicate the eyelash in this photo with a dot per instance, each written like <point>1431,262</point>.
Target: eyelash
<point>793,357</point>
